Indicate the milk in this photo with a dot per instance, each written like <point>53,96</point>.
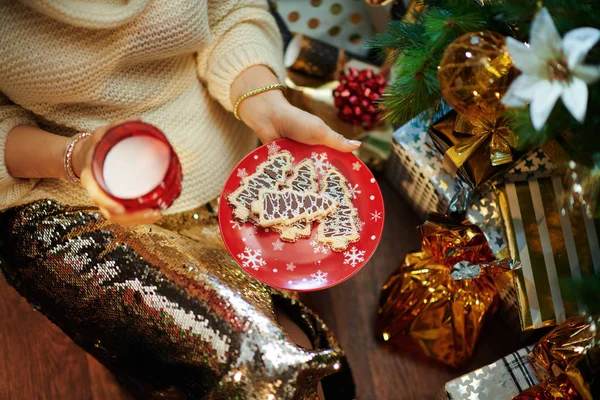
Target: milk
<point>135,166</point>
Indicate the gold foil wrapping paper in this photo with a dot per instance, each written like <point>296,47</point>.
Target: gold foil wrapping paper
<point>570,351</point>
<point>553,247</point>
<point>422,307</point>
<point>555,388</point>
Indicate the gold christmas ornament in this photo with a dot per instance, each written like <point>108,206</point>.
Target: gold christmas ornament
<point>475,72</point>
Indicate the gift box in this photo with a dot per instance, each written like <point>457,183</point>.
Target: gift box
<point>314,58</point>
<point>471,151</point>
<point>343,24</point>
<point>554,247</point>
<point>415,169</point>
<point>501,380</point>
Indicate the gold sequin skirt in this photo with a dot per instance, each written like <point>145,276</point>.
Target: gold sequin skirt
<point>165,307</point>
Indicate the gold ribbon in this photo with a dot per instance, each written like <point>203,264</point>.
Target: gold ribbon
<point>493,131</point>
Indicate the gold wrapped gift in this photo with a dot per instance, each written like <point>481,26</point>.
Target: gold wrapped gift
<point>437,301</point>
<point>554,248</point>
<point>567,358</point>
<point>474,149</point>
<point>554,388</point>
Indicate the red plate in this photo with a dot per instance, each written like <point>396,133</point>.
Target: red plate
<point>303,265</point>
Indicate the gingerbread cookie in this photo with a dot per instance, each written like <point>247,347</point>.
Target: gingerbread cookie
<point>267,176</point>
<point>284,207</point>
<point>304,179</point>
<point>338,229</point>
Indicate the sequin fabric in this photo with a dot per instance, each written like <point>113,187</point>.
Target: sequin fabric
<point>165,307</point>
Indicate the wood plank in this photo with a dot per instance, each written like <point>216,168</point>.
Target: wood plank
<point>38,361</point>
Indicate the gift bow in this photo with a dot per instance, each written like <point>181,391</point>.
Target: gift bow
<point>486,128</point>
<point>460,247</point>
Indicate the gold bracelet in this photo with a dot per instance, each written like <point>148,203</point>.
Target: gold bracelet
<point>252,93</point>
<point>68,156</point>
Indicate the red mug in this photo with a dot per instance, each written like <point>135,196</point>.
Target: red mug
<point>135,164</point>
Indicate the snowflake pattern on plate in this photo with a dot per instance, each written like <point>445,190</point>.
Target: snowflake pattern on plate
<point>242,173</point>
<point>252,258</point>
<point>321,163</point>
<point>235,224</point>
<point>278,245</point>
<point>360,224</point>
<point>273,148</point>
<point>290,266</point>
<point>319,248</point>
<point>353,256</point>
<point>354,190</point>
<point>375,216</point>
<point>356,166</point>
<point>319,277</point>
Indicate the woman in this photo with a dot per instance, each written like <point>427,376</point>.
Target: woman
<point>157,300</point>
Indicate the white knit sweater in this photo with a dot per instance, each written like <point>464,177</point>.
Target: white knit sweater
<point>71,66</point>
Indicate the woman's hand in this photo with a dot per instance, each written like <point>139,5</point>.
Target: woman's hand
<point>110,209</point>
<point>272,117</point>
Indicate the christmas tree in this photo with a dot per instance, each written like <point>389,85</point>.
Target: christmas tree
<point>418,42</point>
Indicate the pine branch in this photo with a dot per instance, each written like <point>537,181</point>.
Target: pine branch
<point>397,36</point>
<point>414,89</point>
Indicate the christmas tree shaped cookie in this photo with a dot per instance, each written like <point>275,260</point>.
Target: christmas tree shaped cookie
<point>285,207</point>
<point>304,179</point>
<point>339,228</point>
<point>267,176</point>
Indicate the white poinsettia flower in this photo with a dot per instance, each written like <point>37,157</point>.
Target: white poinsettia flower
<point>552,67</point>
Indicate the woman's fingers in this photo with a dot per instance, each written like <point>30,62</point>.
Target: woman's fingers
<point>113,210</point>
<point>332,139</point>
<point>97,194</point>
<point>306,128</point>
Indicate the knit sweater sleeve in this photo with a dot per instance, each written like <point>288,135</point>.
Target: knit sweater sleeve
<point>11,115</point>
<point>245,34</point>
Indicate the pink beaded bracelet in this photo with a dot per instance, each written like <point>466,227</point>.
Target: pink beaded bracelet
<point>68,156</point>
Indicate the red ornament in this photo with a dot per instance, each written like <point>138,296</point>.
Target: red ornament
<point>357,95</point>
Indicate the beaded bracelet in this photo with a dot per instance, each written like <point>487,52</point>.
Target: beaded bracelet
<point>68,156</point>
<point>252,93</point>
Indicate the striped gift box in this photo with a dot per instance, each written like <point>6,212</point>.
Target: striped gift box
<point>553,247</point>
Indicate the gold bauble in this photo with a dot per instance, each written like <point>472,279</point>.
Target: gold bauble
<point>475,72</point>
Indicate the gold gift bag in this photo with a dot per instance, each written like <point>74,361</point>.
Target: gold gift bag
<point>553,248</point>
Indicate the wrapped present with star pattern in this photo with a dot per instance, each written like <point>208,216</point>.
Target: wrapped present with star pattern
<point>500,380</point>
<point>416,170</point>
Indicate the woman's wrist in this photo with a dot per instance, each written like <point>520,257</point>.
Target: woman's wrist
<point>79,158</point>
<point>259,109</point>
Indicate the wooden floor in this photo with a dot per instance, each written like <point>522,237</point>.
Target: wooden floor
<point>38,362</point>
